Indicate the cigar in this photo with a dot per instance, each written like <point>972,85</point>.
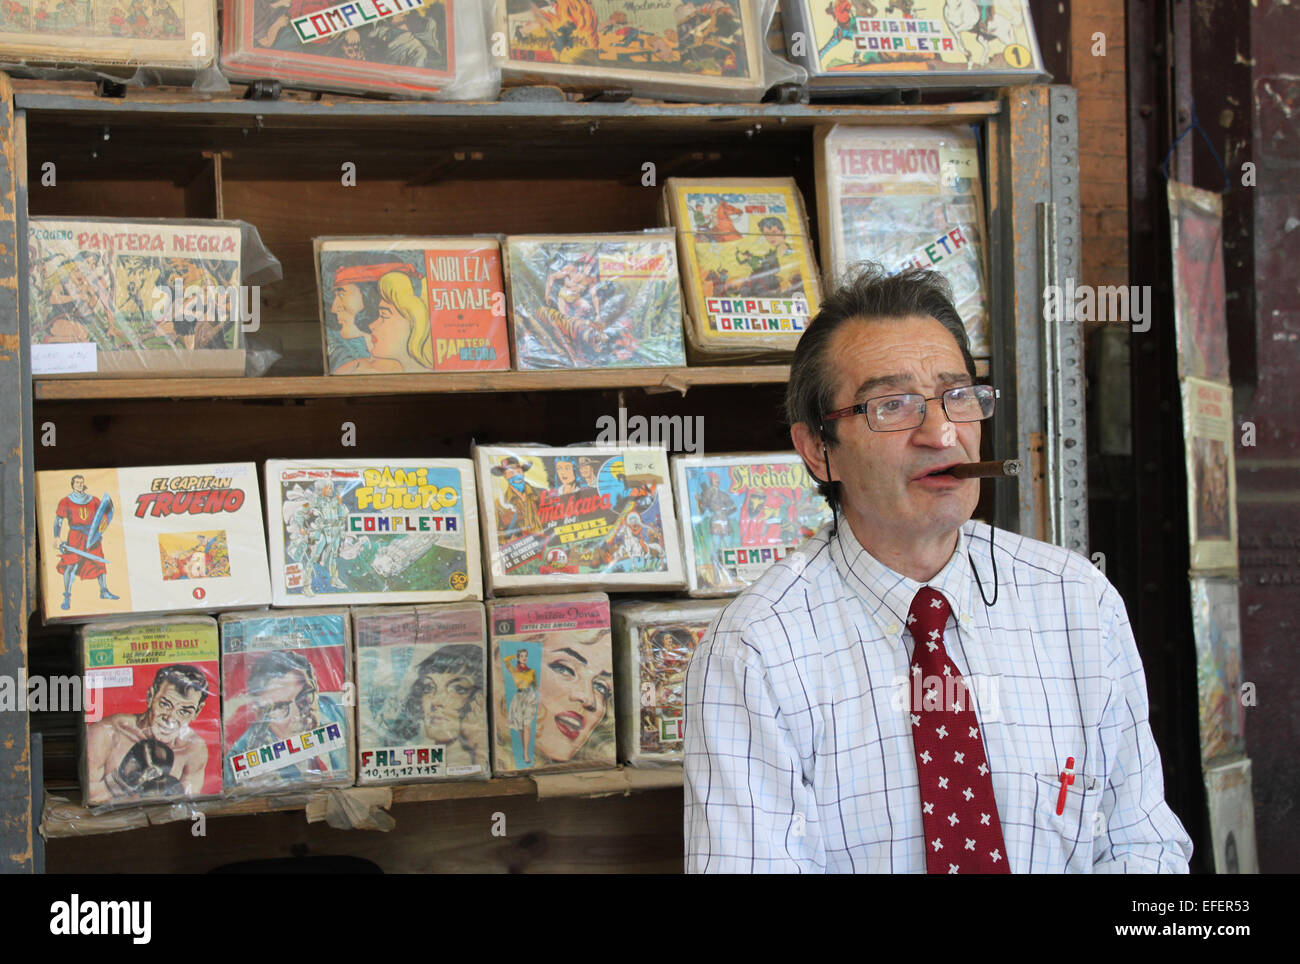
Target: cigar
<point>997,469</point>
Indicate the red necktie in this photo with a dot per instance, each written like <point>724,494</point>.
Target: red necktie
<point>962,830</point>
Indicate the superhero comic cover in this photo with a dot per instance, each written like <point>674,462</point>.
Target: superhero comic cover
<point>740,514</point>
<point>907,197</point>
<point>552,684</point>
<point>750,280</point>
<point>411,305</point>
<point>150,539</point>
<point>421,693</point>
<point>287,698</point>
<point>653,644</point>
<point>155,731</point>
<point>347,531</point>
<point>595,300</point>
<point>108,33</point>
<point>577,518</point>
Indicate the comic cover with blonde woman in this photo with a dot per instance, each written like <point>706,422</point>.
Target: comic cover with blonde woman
<point>552,684</point>
<point>421,693</point>
<point>393,305</point>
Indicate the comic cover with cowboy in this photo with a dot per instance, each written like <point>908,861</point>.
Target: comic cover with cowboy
<point>154,731</point>
<point>581,517</point>
<point>653,645</point>
<point>347,531</point>
<point>595,300</point>
<point>742,513</point>
<point>150,539</point>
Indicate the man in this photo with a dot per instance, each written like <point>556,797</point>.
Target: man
<point>821,736</point>
<point>81,555</point>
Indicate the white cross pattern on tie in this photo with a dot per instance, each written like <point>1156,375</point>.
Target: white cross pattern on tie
<point>916,720</point>
<point>970,844</point>
<point>995,855</point>
<point>974,734</point>
<point>984,819</point>
<point>942,731</point>
<point>984,769</point>
<point>947,671</point>
<point>928,808</point>
<point>958,757</point>
<point>933,645</point>
<point>925,756</point>
<point>936,603</point>
<point>968,793</point>
<point>916,671</point>
<point>943,783</point>
<point>953,820</point>
<point>937,844</point>
<point>952,868</point>
<point>910,619</point>
<point>934,634</point>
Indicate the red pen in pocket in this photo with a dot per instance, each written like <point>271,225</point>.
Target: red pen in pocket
<point>1067,778</point>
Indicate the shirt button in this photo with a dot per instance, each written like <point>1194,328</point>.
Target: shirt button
<point>967,618</point>
<point>892,628</point>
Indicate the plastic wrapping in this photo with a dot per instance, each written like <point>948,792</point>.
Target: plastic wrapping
<point>1200,304</point>
<point>653,645</point>
<point>110,297</point>
<point>750,280</point>
<point>655,48</point>
<point>287,701</point>
<point>150,539</point>
<point>907,196</point>
<point>153,712</point>
<point>925,43</point>
<point>421,693</point>
<point>174,38</point>
<point>1208,437</point>
<point>552,684</point>
<point>402,48</point>
<point>412,305</point>
<point>595,300</point>
<point>346,531</point>
<point>585,517</point>
<point>740,514</point>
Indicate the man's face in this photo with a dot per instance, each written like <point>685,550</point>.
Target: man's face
<point>286,705</point>
<point>171,710</point>
<point>883,472</point>
<point>78,484</point>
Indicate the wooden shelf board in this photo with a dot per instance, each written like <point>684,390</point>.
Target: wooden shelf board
<point>678,379</point>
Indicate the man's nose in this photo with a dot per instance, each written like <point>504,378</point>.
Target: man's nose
<point>937,431</point>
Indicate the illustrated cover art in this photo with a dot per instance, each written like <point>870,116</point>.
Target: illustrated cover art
<point>568,518</point>
<point>742,513</point>
<point>552,684</point>
<point>653,645</point>
<point>155,733</point>
<point>1211,476</point>
<point>421,693</point>
<point>372,531</point>
<point>359,45</point>
<point>147,33</point>
<point>751,282</point>
<point>109,297</point>
<point>412,305</point>
<point>287,700</point>
<point>1216,623</point>
<point>150,539</point>
<point>1232,818</point>
<point>595,300</point>
<point>859,43</point>
<point>1200,314</point>
<point>648,44</point>
<point>907,197</point>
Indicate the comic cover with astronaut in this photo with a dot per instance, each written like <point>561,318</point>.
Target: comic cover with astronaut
<point>576,518</point>
<point>150,539</point>
<point>287,700</point>
<point>742,513</point>
<point>653,644</point>
<point>750,280</point>
<point>108,33</point>
<point>595,300</point>
<point>412,305</point>
<point>552,684</point>
<point>421,693</point>
<point>349,531</point>
<point>153,711</point>
<point>907,197</point>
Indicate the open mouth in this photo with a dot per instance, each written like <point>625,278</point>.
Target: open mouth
<point>944,471</point>
<point>570,724</point>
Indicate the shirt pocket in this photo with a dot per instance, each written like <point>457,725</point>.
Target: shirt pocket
<point>1068,835</point>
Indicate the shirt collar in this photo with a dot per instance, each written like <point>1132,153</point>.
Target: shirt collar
<point>889,594</point>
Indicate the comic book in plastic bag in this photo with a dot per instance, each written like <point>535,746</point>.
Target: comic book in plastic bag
<point>152,711</point>
<point>595,300</point>
<point>653,645</point>
<point>421,693</point>
<point>552,684</point>
<point>750,280</point>
<point>742,513</point>
<point>348,531</point>
<point>287,701</point>
<point>150,539</point>
<point>584,517</point>
<point>412,305</point>
<point>907,197</point>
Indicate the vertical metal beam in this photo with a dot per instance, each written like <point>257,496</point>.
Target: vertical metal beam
<point>16,854</point>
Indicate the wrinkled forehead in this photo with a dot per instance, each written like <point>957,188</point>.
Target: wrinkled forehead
<point>883,355</point>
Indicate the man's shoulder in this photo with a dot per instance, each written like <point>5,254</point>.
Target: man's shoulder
<point>1041,563</point>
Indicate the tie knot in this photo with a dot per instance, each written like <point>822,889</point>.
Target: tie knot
<point>929,610</point>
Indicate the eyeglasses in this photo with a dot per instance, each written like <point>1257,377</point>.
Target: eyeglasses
<point>897,413</point>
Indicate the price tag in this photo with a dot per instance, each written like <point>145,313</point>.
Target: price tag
<point>74,357</point>
<point>956,163</point>
<point>643,467</point>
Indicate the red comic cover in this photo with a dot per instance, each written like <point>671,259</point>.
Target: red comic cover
<point>152,712</point>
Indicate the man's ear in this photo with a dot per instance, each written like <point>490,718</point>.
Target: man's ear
<point>808,444</point>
